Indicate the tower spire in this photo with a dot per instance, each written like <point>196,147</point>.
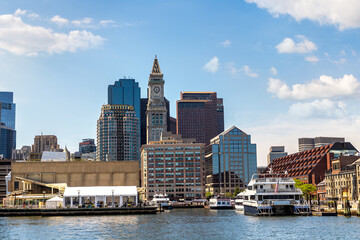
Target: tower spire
<point>156,67</point>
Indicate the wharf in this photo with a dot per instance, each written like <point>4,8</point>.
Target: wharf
<point>188,206</point>
<point>13,212</point>
<point>323,214</point>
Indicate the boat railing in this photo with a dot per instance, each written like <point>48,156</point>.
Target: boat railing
<point>291,190</point>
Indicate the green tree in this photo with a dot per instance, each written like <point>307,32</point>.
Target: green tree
<point>236,191</point>
<point>228,195</point>
<point>307,189</point>
<point>298,183</point>
<point>208,195</point>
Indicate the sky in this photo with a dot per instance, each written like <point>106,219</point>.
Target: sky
<point>286,69</point>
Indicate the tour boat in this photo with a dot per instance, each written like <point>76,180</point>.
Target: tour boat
<point>161,200</point>
<point>239,204</point>
<point>267,194</point>
<point>220,203</point>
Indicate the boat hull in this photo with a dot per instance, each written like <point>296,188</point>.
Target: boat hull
<point>273,210</point>
<point>221,207</point>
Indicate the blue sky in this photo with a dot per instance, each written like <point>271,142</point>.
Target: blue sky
<point>286,69</point>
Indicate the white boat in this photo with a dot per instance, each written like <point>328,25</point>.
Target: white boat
<point>220,203</point>
<point>239,203</point>
<point>273,195</point>
<point>161,200</point>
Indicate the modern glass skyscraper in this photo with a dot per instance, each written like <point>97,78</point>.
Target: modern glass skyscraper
<point>7,124</point>
<point>230,161</point>
<point>125,92</point>
<point>7,116</point>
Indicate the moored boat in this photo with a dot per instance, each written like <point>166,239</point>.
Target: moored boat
<point>220,203</point>
<point>239,203</point>
<point>161,201</point>
<point>273,195</point>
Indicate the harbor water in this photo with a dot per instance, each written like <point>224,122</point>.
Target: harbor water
<point>181,224</point>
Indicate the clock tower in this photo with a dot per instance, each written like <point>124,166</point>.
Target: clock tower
<point>156,113</point>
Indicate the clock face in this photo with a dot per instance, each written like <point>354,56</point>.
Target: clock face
<point>156,89</point>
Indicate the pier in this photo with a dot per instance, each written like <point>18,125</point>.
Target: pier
<point>13,212</point>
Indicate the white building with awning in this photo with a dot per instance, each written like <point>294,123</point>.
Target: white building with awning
<point>110,196</point>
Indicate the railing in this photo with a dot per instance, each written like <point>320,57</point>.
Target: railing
<point>279,190</point>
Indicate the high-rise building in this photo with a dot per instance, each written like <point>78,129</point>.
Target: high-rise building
<point>230,161</point>
<point>7,124</point>
<point>131,137</point>
<point>87,146</point>
<point>200,115</point>
<point>173,166</point>
<point>21,154</point>
<point>156,112</point>
<point>310,143</point>
<point>111,135</point>
<point>45,143</point>
<point>126,92</point>
<point>7,110</point>
<point>276,152</point>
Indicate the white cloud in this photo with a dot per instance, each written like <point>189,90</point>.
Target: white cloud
<point>303,46</point>
<point>273,71</point>
<point>342,53</point>
<point>212,66</point>
<point>324,87</point>
<point>59,20</point>
<point>319,108</point>
<point>249,72</point>
<point>342,14</point>
<point>19,12</point>
<point>106,22</point>
<point>353,53</point>
<point>20,38</point>
<point>312,59</point>
<point>245,69</point>
<point>226,43</point>
<point>85,22</point>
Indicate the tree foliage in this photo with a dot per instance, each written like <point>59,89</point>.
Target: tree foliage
<point>306,189</point>
<point>236,191</point>
<point>208,195</point>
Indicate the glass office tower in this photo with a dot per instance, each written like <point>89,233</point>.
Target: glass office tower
<point>7,125</point>
<point>125,92</point>
<point>230,161</point>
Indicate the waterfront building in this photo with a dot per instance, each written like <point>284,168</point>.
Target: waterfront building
<point>230,161</point>
<point>172,125</point>
<point>5,168</point>
<point>21,154</point>
<point>321,192</point>
<point>174,166</point>
<point>87,146</point>
<point>113,132</point>
<point>45,143</point>
<point>276,152</point>
<point>310,143</point>
<point>310,166</point>
<point>126,91</point>
<point>199,115</point>
<point>341,179</point>
<point>35,180</point>
<point>156,112</point>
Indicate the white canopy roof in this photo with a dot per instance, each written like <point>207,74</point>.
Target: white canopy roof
<point>100,191</point>
<point>55,199</point>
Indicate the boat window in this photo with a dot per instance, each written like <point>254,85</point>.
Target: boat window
<point>252,197</point>
<point>260,198</point>
<point>287,186</point>
<point>297,197</point>
<point>246,198</point>
<point>250,187</point>
<point>261,186</point>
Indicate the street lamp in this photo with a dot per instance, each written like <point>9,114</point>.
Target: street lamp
<point>44,197</point>
<point>112,198</point>
<point>78,198</point>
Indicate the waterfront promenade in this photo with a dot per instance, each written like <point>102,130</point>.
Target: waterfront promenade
<point>180,224</point>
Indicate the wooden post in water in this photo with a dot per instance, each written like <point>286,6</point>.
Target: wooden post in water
<point>358,208</point>
<point>347,210</point>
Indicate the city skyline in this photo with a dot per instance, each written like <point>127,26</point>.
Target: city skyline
<point>282,75</point>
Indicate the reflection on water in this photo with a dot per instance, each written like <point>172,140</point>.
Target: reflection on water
<point>180,224</point>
